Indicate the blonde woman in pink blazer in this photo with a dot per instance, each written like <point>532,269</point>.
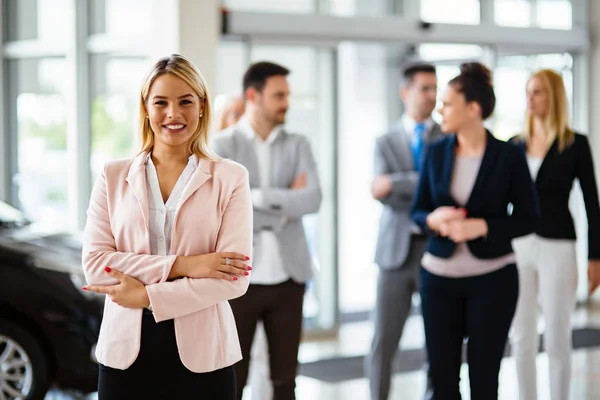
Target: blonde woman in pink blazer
<point>167,240</point>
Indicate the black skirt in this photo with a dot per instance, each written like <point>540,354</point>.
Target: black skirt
<point>158,372</point>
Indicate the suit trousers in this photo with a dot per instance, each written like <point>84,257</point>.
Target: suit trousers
<point>479,308</point>
<point>279,307</point>
<point>395,288</point>
<point>158,373</point>
<point>548,276</point>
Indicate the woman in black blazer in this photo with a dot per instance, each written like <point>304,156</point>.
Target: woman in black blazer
<point>469,282</point>
<point>546,259</point>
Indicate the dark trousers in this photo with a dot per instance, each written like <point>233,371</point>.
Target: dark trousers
<point>158,373</point>
<point>280,309</point>
<point>478,308</point>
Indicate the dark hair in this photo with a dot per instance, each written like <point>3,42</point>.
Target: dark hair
<point>410,70</point>
<point>257,74</point>
<point>475,83</point>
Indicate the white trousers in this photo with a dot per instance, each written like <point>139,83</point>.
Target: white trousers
<point>548,275</point>
<point>259,375</point>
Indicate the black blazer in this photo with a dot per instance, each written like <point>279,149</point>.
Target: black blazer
<point>554,183</point>
<point>503,179</point>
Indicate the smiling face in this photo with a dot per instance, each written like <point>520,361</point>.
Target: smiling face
<point>174,111</point>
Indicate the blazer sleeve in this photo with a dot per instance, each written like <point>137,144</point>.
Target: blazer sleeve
<point>523,197</point>
<point>587,180</point>
<point>185,296</point>
<point>264,221</point>
<point>99,248</point>
<point>295,203</point>
<point>423,203</point>
<point>404,184</point>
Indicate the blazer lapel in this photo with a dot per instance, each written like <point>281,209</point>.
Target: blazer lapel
<point>198,178</point>
<point>276,150</point>
<point>447,167</point>
<point>136,178</point>
<point>400,143</point>
<point>487,162</point>
<point>247,157</point>
<point>552,151</point>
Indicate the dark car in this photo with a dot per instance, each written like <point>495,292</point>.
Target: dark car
<point>48,325</point>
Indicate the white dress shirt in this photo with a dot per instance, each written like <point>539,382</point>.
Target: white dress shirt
<point>162,215</point>
<point>267,263</point>
<point>409,124</point>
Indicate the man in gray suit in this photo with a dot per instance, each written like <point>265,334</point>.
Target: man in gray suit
<point>400,245</point>
<point>285,187</point>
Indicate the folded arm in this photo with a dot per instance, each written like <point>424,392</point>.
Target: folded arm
<point>293,203</point>
<point>185,295</point>
<point>403,185</point>
<point>99,248</point>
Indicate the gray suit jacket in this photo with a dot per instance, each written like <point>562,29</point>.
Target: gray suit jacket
<point>284,207</point>
<point>393,156</point>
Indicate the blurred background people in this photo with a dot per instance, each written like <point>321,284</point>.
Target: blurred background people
<point>285,187</point>
<point>469,282</point>
<point>401,243</point>
<point>556,156</point>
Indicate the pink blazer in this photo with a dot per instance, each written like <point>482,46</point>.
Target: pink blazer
<point>214,215</point>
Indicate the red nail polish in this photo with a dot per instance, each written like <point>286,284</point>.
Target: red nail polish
<point>249,268</point>
<point>107,269</point>
<point>84,288</point>
<point>246,273</point>
<point>235,278</point>
<point>247,258</point>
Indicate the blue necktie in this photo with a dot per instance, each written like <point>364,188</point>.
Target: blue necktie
<point>416,144</point>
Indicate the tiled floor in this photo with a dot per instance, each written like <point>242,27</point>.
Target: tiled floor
<point>354,339</point>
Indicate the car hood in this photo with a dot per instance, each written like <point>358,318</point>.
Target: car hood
<point>57,251</point>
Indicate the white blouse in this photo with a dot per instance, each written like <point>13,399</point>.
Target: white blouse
<point>162,214</point>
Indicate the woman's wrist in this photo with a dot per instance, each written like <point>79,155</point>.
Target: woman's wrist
<point>179,269</point>
<point>430,222</point>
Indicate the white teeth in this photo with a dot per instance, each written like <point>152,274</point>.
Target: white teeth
<point>179,126</point>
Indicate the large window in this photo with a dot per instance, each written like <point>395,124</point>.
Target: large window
<point>45,20</point>
<point>119,18</point>
<point>38,109</point>
<point>115,83</point>
<point>363,112</point>
<point>451,12</point>
<point>550,14</point>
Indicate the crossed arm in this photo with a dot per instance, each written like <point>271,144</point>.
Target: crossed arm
<point>173,285</point>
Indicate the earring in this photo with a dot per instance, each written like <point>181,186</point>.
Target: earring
<point>146,117</point>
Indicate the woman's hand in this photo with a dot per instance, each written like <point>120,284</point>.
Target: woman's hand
<point>593,275</point>
<point>462,230</point>
<point>212,265</point>
<point>443,215</point>
<point>128,293</point>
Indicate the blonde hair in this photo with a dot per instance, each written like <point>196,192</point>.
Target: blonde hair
<point>183,69</point>
<point>556,121</point>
